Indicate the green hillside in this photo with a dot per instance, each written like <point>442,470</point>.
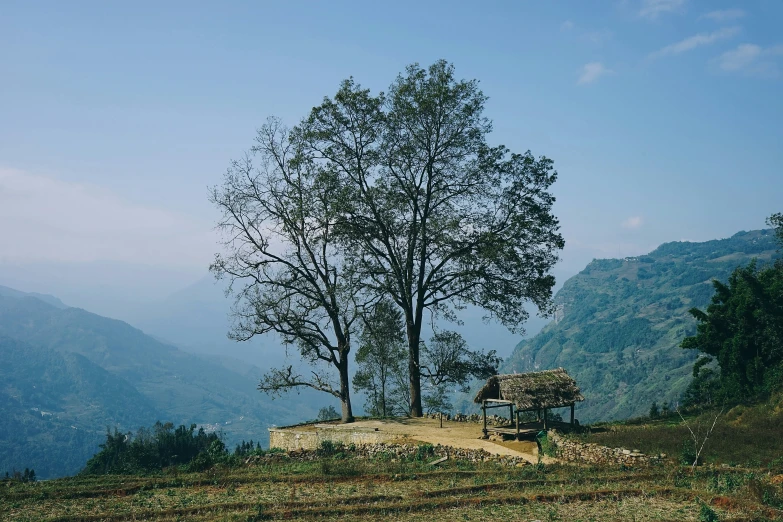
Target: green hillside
<point>91,372</point>
<point>55,407</point>
<point>620,322</point>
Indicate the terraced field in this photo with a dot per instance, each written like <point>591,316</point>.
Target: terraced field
<point>338,488</point>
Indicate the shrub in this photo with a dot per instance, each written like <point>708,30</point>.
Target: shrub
<point>329,448</point>
<point>707,514</point>
<point>424,451</point>
<point>688,454</point>
<point>154,449</point>
<point>28,475</point>
<point>546,446</point>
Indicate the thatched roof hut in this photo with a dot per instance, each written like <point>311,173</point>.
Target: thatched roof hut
<point>532,391</point>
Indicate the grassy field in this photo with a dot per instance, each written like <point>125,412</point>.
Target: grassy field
<point>743,436</point>
<point>347,488</point>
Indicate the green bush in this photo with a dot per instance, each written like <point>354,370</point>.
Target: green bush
<point>688,454</point>
<point>329,448</point>
<point>546,446</point>
<point>424,451</point>
<point>707,514</point>
<point>154,449</point>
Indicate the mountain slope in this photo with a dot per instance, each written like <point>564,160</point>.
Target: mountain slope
<point>93,351</point>
<point>50,299</point>
<point>56,406</point>
<point>620,322</point>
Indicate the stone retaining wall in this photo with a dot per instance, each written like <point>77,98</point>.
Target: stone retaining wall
<point>388,451</point>
<point>292,439</point>
<point>571,450</point>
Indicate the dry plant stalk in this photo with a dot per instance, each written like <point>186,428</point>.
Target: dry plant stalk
<point>695,438</point>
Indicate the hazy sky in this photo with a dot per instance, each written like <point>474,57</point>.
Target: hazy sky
<point>664,117</point>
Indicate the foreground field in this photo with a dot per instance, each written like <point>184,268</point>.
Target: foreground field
<point>346,488</point>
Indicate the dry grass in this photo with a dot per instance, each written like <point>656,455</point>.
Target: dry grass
<point>749,437</point>
<point>391,490</point>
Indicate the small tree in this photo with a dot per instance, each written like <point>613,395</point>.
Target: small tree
<point>380,357</point>
<point>697,436</point>
<point>447,362</point>
<point>776,221</point>
<point>654,411</point>
<point>327,413</point>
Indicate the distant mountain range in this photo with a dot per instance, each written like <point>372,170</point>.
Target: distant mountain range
<point>620,321</point>
<point>67,374</point>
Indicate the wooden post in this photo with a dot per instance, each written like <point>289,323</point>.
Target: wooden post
<point>484,408</point>
<point>545,427</point>
<point>511,412</point>
<point>517,424</point>
<point>441,419</point>
<point>572,415</point>
<point>538,415</point>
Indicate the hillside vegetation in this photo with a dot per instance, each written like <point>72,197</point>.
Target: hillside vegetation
<point>68,374</point>
<point>620,323</point>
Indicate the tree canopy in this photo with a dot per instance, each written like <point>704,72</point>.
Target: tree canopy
<point>438,219</point>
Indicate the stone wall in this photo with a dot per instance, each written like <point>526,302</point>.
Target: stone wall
<point>575,451</point>
<point>309,437</point>
<point>390,451</point>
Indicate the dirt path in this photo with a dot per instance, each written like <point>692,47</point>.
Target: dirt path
<point>458,434</point>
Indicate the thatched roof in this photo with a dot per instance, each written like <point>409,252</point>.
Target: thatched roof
<point>533,390</point>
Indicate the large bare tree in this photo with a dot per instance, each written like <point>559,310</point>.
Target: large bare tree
<point>287,274</point>
<point>437,217</point>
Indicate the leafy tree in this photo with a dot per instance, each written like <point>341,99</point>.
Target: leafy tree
<point>380,357</point>
<point>280,215</point>
<point>654,411</point>
<point>437,218</point>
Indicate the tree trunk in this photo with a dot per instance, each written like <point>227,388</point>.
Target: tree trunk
<point>414,335</point>
<point>345,390</point>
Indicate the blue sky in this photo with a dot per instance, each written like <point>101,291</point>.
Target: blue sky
<point>664,117</point>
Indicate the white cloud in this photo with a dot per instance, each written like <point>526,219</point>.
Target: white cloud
<point>599,37</point>
<point>632,222</point>
<point>653,8</point>
<point>567,25</point>
<point>751,59</point>
<point>591,72</point>
<point>47,219</point>
<point>739,58</point>
<point>723,15</point>
<point>697,40</point>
